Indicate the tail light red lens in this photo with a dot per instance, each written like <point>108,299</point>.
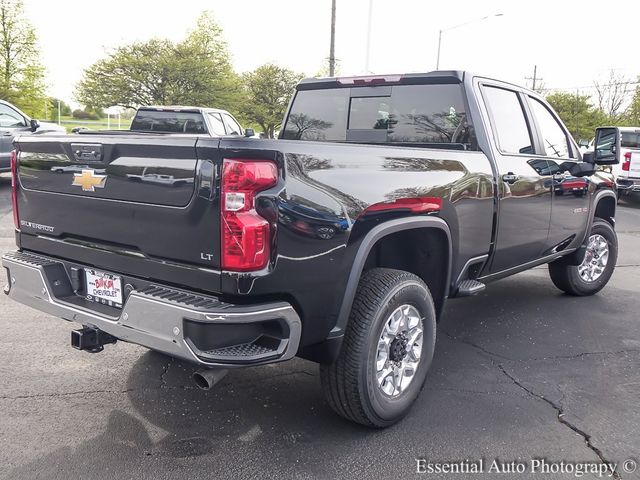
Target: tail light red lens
<point>626,165</point>
<point>14,189</point>
<point>245,234</point>
<point>370,80</point>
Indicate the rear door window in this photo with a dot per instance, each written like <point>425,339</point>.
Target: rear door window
<point>425,115</point>
<point>508,121</point>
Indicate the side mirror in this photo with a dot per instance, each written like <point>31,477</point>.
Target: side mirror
<point>34,124</point>
<point>249,132</point>
<point>583,143</point>
<point>606,146</point>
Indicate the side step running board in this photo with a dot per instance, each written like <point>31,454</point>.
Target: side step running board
<point>467,288</point>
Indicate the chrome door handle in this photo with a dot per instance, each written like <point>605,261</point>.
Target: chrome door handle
<point>510,177</point>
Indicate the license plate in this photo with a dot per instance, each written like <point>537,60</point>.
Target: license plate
<point>102,287</point>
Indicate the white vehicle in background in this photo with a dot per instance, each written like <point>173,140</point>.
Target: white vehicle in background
<point>625,142</point>
<point>586,145</point>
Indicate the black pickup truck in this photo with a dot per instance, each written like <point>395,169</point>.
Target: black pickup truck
<point>339,242</point>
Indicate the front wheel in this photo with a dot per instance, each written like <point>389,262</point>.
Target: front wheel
<point>596,268</point>
<point>388,347</point>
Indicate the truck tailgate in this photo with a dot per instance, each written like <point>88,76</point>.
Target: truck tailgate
<point>133,196</point>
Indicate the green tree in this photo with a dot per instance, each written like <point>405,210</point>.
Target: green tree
<point>21,73</point>
<point>632,113</point>
<point>268,90</point>
<point>577,113</point>
<point>196,71</point>
<point>52,108</point>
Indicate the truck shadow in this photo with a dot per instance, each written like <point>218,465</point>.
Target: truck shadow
<point>630,202</point>
<point>279,412</point>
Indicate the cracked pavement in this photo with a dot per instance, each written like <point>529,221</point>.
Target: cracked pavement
<point>520,372</point>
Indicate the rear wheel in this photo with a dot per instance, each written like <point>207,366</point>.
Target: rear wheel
<point>596,268</point>
<point>387,350</point>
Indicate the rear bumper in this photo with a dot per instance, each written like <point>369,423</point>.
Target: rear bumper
<point>628,185</point>
<point>193,327</point>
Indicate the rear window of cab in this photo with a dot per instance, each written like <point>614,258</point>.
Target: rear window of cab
<point>164,121</point>
<point>630,140</point>
<point>425,115</point>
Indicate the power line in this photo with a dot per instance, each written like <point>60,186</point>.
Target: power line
<point>588,87</point>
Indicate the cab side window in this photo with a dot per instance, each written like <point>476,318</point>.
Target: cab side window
<point>9,118</point>
<point>216,124</point>
<point>555,141</point>
<point>232,126</point>
<point>508,121</point>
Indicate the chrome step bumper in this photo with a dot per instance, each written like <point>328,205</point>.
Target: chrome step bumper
<point>182,324</point>
<point>626,185</point>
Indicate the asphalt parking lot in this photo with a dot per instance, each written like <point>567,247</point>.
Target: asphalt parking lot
<point>521,372</point>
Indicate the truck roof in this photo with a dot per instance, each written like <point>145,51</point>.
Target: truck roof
<point>627,129</point>
<point>425,78</point>
<point>439,76</point>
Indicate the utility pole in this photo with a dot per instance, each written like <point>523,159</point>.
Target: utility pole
<point>368,54</point>
<point>332,48</point>
<point>575,116</point>
<point>535,78</point>
<point>439,44</point>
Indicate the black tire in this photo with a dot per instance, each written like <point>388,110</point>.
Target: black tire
<point>567,278</point>
<point>350,385</point>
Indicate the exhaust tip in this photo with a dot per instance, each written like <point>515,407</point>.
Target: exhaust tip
<point>200,381</point>
<point>206,378</point>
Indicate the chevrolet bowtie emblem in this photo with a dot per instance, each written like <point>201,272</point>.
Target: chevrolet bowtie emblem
<point>88,180</point>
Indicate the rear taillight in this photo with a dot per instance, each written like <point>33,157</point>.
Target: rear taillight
<point>245,234</point>
<point>14,189</point>
<point>626,165</point>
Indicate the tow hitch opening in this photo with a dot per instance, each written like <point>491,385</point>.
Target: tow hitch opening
<point>91,339</point>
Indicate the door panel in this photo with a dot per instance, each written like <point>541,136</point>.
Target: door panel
<point>569,210</point>
<point>570,199</point>
<point>524,181</point>
<point>524,211</point>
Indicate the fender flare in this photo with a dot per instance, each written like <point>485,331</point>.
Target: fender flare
<point>367,243</point>
<point>594,206</point>
<point>576,256</point>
